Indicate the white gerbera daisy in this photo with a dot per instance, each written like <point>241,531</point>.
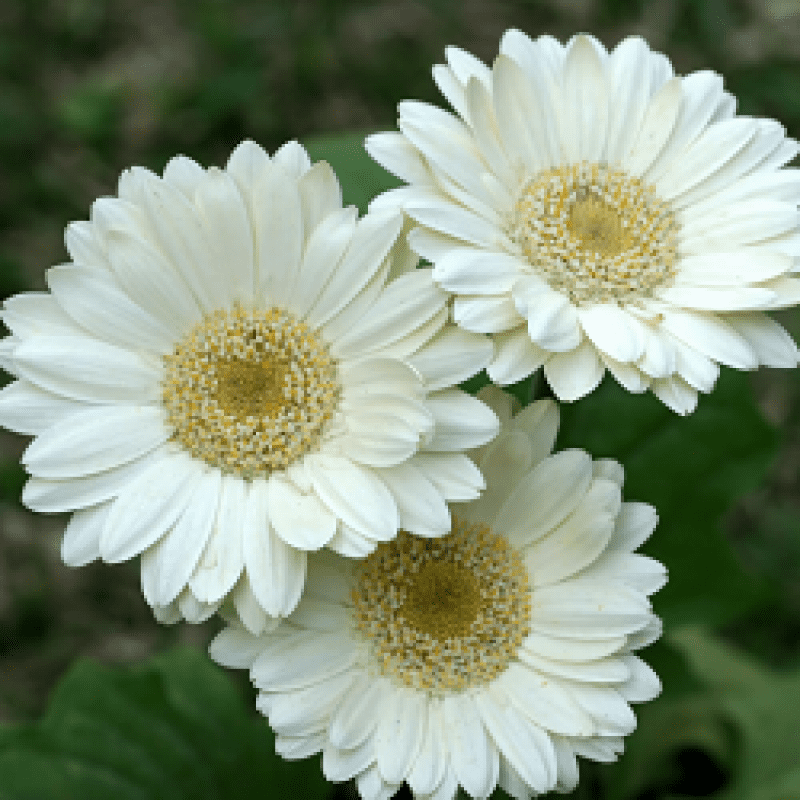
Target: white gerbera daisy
<point>491,656</point>
<point>233,371</point>
<point>594,211</point>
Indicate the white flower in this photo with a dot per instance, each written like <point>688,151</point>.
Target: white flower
<point>492,656</point>
<point>233,371</point>
<point>594,211</point>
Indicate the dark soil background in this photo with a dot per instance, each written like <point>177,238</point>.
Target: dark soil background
<point>89,87</point>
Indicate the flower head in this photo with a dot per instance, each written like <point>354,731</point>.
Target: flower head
<point>594,211</point>
<point>491,656</point>
<point>233,371</point>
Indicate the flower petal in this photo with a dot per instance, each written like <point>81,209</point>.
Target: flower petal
<point>355,494</point>
<point>95,439</point>
<point>301,520</point>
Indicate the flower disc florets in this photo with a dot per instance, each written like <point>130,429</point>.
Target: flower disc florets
<point>595,234</point>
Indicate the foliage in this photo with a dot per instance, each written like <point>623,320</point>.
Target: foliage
<point>172,728</point>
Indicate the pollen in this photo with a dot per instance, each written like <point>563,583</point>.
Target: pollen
<point>249,390</point>
<point>443,614</point>
<point>596,234</point>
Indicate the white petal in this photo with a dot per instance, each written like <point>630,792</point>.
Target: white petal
<point>353,722</point>
<point>630,377</point>
<point>544,701</point>
<point>644,574</point>
<point>612,715</point>
<point>95,439</point>
<point>572,649</point>
<point>301,659</point>
<point>773,346</point>
<point>429,767</point>
<point>320,194</point>
<point>405,304</point>
<point>149,279</point>
<point>552,319</point>
<point>420,506</point>
<point>717,299</point>
<point>95,302</point>
<point>615,332</point>
<point>222,561</point>
<point>226,218</point>
<point>81,542</point>
<point>247,164</point>
<point>525,116</point>
<point>516,357</point>
<point>278,227</point>
<point>631,85</point>
<point>451,357</point>
<point>248,609</point>
<point>747,265</point>
<point>485,314</point>
<point>399,734</point>
<point>702,93</point>
<point>396,154</point>
<point>355,494</point>
<point>575,373</point>
<point>557,484</point>
<point>371,786</point>
<point>454,220</point>
<point>716,145</point>
<point>712,336</point>
<point>323,251</point>
<point>88,369</point>
<point>36,314</point>
<point>601,670</point>
<point>468,270</point>
<point>350,543</point>
<point>180,550</point>
<point>643,683</point>
<point>235,648</point>
<point>83,245</point>
<point>148,506</point>
<point>505,461</point>
<point>373,238</point>
<point>578,540</point>
<point>657,127</point>
<point>304,711</point>
<point>184,173</point>
<point>470,748</point>
<point>635,523</point>
<point>739,223</point>
<point>276,571</point>
<point>342,765</point>
<point>297,747</point>
<point>25,408</point>
<point>453,474</point>
<point>462,421</point>
<point>53,496</point>
<point>292,158</point>
<point>567,765</point>
<point>301,520</point>
<point>486,131</point>
<point>676,394</point>
<point>584,103</point>
<point>518,739</point>
<point>182,236</point>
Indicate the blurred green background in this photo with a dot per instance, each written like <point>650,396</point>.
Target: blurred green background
<point>89,87</point>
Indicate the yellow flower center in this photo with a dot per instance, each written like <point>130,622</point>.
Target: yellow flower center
<point>596,234</point>
<point>443,614</point>
<point>249,391</point>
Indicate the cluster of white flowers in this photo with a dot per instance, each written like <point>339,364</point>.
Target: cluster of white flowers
<point>240,381</point>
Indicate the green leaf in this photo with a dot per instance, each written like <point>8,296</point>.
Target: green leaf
<point>741,719</point>
<point>174,728</point>
<point>361,178</point>
<point>691,469</point>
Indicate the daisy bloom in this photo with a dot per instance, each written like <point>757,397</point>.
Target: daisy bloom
<point>593,211</point>
<point>234,370</point>
<point>491,656</point>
